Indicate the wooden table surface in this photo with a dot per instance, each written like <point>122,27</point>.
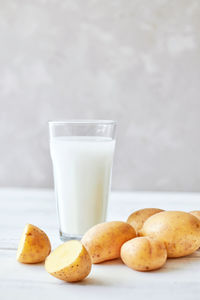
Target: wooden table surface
<point>178,279</point>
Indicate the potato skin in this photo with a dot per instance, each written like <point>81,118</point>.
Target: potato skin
<point>137,218</point>
<point>76,271</point>
<point>195,213</point>
<point>144,254</point>
<point>180,231</point>
<point>103,241</point>
<point>36,246</point>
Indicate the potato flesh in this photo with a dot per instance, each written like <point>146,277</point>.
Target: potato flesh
<point>63,256</point>
<point>21,242</point>
<point>69,262</point>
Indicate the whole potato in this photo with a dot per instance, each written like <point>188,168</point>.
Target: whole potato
<point>196,213</point>
<point>180,231</point>
<point>137,218</point>
<point>144,254</point>
<point>103,241</point>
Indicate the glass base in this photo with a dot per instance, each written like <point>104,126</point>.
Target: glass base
<point>67,237</point>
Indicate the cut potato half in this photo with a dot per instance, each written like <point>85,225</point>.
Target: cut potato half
<point>69,262</point>
<point>34,245</point>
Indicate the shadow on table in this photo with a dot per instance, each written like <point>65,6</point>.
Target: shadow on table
<point>92,281</point>
<point>179,263</point>
<point>113,262</point>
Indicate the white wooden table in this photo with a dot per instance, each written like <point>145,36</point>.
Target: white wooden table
<point>178,279</point>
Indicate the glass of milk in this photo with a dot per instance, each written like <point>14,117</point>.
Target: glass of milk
<point>82,155</point>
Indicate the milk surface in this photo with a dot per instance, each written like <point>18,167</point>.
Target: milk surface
<point>82,174</point>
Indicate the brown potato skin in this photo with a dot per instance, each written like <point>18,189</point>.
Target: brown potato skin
<point>144,254</point>
<point>195,213</point>
<point>36,246</point>
<point>180,231</point>
<point>103,241</point>
<point>77,271</point>
<point>137,218</point>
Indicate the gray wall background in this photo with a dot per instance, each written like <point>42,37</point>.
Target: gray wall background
<point>136,61</point>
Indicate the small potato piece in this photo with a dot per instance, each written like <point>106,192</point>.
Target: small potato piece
<point>144,254</point>
<point>69,262</point>
<point>180,231</point>
<point>34,245</point>
<point>195,213</point>
<point>103,241</point>
<point>137,218</point>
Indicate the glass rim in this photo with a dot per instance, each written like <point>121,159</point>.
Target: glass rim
<point>83,121</point>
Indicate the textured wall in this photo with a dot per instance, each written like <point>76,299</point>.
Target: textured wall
<point>136,61</point>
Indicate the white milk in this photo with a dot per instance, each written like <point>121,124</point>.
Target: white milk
<point>82,172</point>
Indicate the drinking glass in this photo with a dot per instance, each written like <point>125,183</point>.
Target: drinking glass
<point>82,155</point>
